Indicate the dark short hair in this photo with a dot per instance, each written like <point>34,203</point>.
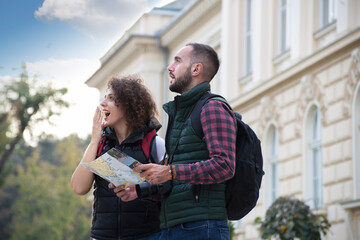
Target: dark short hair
<point>207,56</point>
<point>135,98</point>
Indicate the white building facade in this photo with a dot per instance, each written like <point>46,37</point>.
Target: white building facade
<point>292,69</point>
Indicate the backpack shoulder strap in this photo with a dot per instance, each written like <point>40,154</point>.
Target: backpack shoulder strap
<point>147,142</point>
<point>195,115</point>
<point>101,145</point>
<point>196,124</point>
<point>153,156</point>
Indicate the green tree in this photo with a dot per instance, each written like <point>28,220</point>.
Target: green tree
<point>24,102</point>
<point>43,203</point>
<point>231,229</point>
<point>8,194</point>
<point>47,145</point>
<point>287,219</point>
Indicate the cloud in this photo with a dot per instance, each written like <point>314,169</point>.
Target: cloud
<point>78,117</point>
<point>97,18</point>
<point>5,79</point>
<point>70,70</point>
<point>100,19</point>
<point>70,73</point>
<point>83,99</point>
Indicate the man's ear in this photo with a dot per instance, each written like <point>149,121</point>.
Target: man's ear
<point>196,69</point>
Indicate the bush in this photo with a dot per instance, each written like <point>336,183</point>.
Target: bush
<point>289,218</point>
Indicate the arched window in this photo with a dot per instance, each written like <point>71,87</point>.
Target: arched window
<point>356,141</point>
<point>313,158</point>
<point>272,159</point>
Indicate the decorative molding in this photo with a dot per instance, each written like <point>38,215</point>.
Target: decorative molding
<point>352,208</point>
<point>312,90</point>
<point>356,58</point>
<point>352,80</point>
<point>271,111</point>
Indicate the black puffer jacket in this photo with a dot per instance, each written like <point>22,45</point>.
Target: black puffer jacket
<point>112,218</point>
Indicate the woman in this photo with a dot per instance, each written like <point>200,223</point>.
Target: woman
<point>128,113</point>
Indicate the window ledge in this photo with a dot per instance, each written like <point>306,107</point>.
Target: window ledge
<point>350,204</point>
<point>325,30</point>
<point>245,79</point>
<point>320,211</point>
<point>281,57</point>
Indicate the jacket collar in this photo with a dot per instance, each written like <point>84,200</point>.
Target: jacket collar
<point>189,98</point>
<point>136,135</point>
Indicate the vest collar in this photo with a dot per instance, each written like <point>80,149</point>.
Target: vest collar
<point>193,95</point>
<point>136,135</point>
<point>189,98</point>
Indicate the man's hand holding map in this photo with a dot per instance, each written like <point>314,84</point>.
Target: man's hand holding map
<point>116,167</point>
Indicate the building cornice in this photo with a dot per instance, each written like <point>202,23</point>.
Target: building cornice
<point>134,44</point>
<point>345,43</point>
<point>128,45</point>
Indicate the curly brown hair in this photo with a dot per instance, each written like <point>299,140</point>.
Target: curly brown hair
<point>135,98</point>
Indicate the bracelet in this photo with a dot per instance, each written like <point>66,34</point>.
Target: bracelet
<point>171,172</point>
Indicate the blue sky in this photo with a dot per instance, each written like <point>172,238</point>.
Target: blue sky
<point>62,41</point>
<point>28,39</point>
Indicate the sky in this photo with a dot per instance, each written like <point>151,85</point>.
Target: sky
<point>62,41</point>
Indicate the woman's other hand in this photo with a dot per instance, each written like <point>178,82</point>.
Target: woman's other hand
<point>126,194</point>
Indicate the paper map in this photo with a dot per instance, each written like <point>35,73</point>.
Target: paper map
<point>116,167</point>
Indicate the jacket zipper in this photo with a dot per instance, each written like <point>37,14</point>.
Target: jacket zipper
<point>119,219</point>
<point>164,210</point>
<point>163,204</point>
<point>171,121</point>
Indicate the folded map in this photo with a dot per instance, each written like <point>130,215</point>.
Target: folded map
<point>116,167</point>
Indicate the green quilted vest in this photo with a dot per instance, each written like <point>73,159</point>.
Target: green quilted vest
<point>183,147</point>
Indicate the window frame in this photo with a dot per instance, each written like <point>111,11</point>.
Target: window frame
<point>248,34</point>
<point>327,12</point>
<point>271,154</point>
<point>284,26</point>
<point>274,162</point>
<point>313,163</point>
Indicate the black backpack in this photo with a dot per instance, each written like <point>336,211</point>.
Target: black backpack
<point>242,191</point>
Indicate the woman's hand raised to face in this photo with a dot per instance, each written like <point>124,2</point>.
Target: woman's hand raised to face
<point>98,125</point>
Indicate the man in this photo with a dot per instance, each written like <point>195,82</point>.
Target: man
<point>199,168</point>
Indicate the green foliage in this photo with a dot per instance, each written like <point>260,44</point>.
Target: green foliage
<point>231,229</point>
<point>28,98</point>
<point>24,102</point>
<point>22,150</point>
<point>289,218</point>
<point>47,148</point>
<point>4,128</point>
<point>37,201</point>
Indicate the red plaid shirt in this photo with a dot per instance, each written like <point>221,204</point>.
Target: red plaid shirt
<point>217,122</point>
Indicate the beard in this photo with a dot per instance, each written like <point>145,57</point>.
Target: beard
<point>181,84</point>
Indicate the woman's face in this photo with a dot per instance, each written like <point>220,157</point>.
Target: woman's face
<point>113,114</point>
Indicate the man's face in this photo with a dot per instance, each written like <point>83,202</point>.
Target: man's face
<point>180,71</point>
